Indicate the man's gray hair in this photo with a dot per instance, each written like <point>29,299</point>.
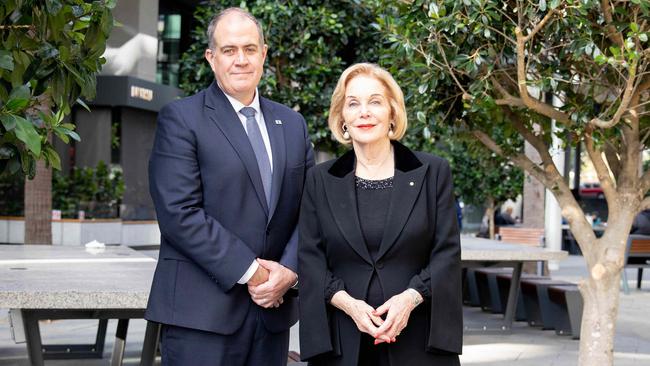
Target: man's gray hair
<point>215,20</point>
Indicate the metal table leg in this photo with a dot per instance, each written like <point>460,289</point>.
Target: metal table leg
<point>120,342</point>
<point>150,345</point>
<point>511,306</point>
<point>33,338</point>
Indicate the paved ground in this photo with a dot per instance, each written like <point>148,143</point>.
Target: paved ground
<point>525,346</point>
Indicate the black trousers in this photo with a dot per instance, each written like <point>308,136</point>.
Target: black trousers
<point>251,345</point>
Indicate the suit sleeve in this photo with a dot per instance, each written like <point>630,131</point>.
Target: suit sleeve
<point>289,257</point>
<point>315,335</point>
<point>175,186</point>
<point>440,281</point>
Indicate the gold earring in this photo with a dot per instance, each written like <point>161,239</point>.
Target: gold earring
<point>391,133</point>
<point>346,134</point>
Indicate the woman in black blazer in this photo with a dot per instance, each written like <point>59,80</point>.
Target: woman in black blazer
<point>379,252</point>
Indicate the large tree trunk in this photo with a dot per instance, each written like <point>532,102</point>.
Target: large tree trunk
<point>600,290</point>
<point>599,320</point>
<point>38,206</point>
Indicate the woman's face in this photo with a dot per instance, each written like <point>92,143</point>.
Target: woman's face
<point>366,110</point>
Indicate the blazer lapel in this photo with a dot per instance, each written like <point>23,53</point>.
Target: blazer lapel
<point>341,196</point>
<point>226,119</point>
<point>406,188</point>
<point>278,146</point>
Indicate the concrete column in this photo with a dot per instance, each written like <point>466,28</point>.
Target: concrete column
<point>533,201</point>
<point>553,227</point>
<point>138,129</point>
<point>132,48</point>
<point>94,128</point>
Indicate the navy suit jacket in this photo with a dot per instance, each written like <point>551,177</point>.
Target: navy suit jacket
<point>213,215</point>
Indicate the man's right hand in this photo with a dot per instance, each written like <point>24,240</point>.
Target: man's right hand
<point>259,277</point>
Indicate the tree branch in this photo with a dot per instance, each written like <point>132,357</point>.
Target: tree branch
<point>520,160</point>
<point>645,182</point>
<point>609,188</point>
<point>532,103</point>
<point>612,159</point>
<point>10,27</point>
<point>548,17</point>
<point>508,99</point>
<point>645,204</point>
<point>534,140</point>
<point>613,35</point>
<point>451,71</point>
<point>625,102</point>
<point>551,180</point>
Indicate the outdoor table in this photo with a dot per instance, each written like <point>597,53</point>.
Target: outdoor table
<point>479,252</point>
<point>72,282</point>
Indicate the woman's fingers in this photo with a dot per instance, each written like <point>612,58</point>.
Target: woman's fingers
<point>388,323</point>
<point>376,320</point>
<point>382,309</point>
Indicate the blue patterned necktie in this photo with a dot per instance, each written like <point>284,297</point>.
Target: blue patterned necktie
<point>263,162</point>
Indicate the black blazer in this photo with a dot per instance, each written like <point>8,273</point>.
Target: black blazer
<point>420,246</point>
<point>212,212</point>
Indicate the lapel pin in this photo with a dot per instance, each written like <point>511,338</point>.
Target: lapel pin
<point>278,122</point>
<point>411,184</point>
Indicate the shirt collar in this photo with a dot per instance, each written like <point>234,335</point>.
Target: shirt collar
<point>237,105</point>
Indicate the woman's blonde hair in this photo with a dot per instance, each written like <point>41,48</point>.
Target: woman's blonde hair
<point>395,97</point>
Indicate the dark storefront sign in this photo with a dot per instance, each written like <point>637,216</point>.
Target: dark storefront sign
<point>128,91</point>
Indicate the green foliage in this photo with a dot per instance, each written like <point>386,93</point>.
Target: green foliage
<point>310,44</point>
<point>451,55</point>
<point>12,195</point>
<point>97,191</point>
<point>481,175</point>
<point>49,55</point>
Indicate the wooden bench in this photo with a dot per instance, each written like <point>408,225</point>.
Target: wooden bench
<point>637,255</point>
<point>522,235</point>
<point>528,236</point>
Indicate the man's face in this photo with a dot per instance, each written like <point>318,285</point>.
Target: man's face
<point>238,58</point>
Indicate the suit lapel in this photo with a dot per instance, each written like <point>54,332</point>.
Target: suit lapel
<point>341,196</point>
<point>278,146</point>
<point>406,188</point>
<point>224,116</point>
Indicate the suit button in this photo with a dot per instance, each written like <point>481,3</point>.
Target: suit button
<point>268,231</point>
<point>380,265</point>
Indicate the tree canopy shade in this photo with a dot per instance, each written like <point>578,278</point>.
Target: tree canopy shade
<point>51,51</point>
<point>573,70</point>
<point>310,43</point>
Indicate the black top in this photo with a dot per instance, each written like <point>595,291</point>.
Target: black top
<point>373,199</point>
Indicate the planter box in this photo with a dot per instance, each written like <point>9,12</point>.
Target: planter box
<point>79,232</point>
<point>140,232</point>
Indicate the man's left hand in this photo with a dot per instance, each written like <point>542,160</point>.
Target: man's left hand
<point>269,294</point>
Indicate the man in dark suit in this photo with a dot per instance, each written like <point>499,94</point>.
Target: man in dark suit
<point>226,176</point>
